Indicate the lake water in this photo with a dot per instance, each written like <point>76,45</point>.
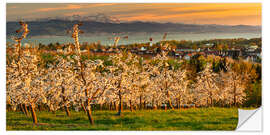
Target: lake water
<point>138,38</point>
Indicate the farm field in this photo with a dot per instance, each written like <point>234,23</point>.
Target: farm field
<point>215,118</point>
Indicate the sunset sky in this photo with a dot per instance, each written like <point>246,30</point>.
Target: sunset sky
<point>190,13</point>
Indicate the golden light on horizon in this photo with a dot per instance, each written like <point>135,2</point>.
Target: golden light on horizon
<point>199,13</point>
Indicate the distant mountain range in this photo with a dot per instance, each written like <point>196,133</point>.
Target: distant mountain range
<point>103,24</point>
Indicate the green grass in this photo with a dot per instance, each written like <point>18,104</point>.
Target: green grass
<point>188,119</point>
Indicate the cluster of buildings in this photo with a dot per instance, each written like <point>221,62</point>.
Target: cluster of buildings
<point>249,53</point>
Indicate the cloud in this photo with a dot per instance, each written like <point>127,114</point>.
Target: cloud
<point>12,7</point>
<point>74,6</point>
<point>195,14</point>
<point>68,7</point>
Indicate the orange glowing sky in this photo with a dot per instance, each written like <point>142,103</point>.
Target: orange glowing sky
<point>191,13</point>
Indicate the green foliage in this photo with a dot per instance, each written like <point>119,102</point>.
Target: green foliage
<point>47,58</point>
<point>106,60</point>
<point>198,62</point>
<point>175,64</point>
<point>219,65</point>
<point>258,71</point>
<point>254,95</point>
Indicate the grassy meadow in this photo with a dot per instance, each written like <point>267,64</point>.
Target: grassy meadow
<point>141,120</point>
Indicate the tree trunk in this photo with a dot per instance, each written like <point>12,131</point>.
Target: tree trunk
<point>208,102</point>
<point>67,111</point>
<point>114,106</point>
<point>120,104</point>
<point>25,109</point>
<point>169,100</point>
<point>154,107</point>
<point>211,99</point>
<point>131,107</point>
<point>234,95</point>
<point>100,107</point>
<point>144,105</point>
<point>140,102</point>
<point>64,100</point>
<point>120,108</point>
<point>234,101</point>
<point>39,108</point>
<point>135,107</point>
<point>34,116</point>
<point>178,105</point>
<point>90,117</point>
<point>83,107</point>
<point>171,105</point>
<point>107,106</point>
<point>110,105</point>
<point>89,113</point>
<point>22,109</point>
